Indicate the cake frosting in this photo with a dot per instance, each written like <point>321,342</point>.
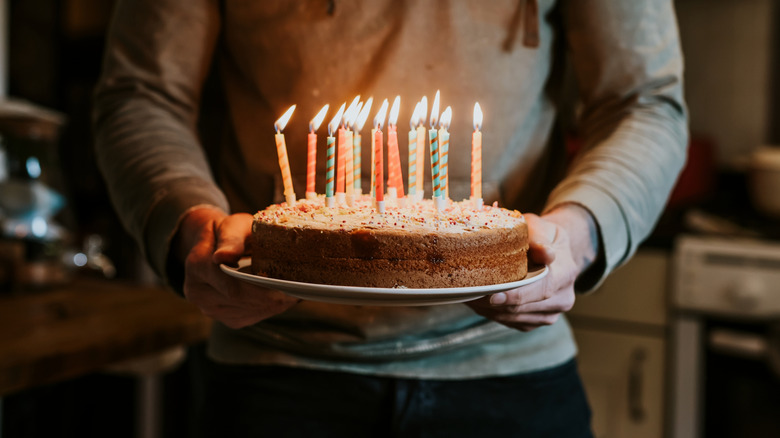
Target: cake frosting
<point>410,244</point>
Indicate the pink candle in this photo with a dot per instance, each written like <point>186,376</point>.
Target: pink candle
<point>341,159</point>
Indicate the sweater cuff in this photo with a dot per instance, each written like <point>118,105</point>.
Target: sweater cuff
<point>171,204</point>
<point>612,229</point>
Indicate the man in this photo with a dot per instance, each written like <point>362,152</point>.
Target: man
<point>500,364</point>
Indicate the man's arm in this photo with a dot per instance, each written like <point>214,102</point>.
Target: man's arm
<point>629,69</point>
<point>145,110</point>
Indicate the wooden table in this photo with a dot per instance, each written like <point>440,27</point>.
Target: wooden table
<point>86,326</point>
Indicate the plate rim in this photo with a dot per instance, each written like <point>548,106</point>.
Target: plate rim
<point>235,271</point>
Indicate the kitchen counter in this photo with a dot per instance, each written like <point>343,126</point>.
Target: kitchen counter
<point>87,326</point>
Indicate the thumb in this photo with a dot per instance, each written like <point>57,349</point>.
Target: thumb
<point>231,234</point>
<point>541,236</point>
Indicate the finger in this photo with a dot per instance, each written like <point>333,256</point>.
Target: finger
<point>541,236</point>
<point>521,321</point>
<point>231,235</point>
<point>562,301</point>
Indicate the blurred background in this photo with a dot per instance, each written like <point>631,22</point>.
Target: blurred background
<point>675,358</point>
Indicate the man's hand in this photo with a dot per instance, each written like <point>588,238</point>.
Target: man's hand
<point>206,238</point>
<point>566,241</point>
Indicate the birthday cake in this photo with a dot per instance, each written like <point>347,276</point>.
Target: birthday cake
<point>406,246</point>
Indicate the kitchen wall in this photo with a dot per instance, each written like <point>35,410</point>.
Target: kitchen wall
<point>729,81</point>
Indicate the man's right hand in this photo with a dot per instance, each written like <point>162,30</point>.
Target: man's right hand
<point>206,238</point>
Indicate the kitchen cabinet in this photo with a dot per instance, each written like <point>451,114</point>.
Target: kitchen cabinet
<point>621,332</point>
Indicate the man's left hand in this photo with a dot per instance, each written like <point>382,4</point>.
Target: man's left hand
<point>566,242</point>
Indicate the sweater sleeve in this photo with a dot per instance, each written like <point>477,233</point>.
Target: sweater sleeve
<point>633,122</point>
<point>144,116</point>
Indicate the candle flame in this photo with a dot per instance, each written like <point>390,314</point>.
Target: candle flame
<point>423,111</point>
<point>379,120</point>
<point>282,122</point>
<point>317,120</point>
<point>353,117</point>
<point>435,110</point>
<point>393,119</point>
<point>415,117</point>
<point>348,113</point>
<point>446,118</point>
<point>477,117</point>
<point>336,120</point>
<point>363,116</point>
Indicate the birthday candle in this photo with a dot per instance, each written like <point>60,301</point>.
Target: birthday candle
<point>476,155</point>
<point>413,152</point>
<point>421,146</point>
<point>311,164</point>
<point>281,151</point>
<point>357,152</point>
<point>444,147</point>
<point>340,160</point>
<point>348,163</point>
<point>394,173</point>
<point>331,157</point>
<point>433,137</point>
<point>376,135</point>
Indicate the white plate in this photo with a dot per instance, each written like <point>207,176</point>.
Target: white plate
<point>376,296</point>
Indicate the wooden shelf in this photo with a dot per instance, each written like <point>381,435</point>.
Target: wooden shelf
<point>84,327</point>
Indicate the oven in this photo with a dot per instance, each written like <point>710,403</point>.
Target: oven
<point>725,366</point>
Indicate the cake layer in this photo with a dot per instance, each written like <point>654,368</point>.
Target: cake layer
<point>414,246</point>
<point>413,274</point>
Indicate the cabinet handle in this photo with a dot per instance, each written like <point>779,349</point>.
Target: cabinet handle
<point>636,409</point>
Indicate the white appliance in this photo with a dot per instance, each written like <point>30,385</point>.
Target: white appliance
<point>725,312</point>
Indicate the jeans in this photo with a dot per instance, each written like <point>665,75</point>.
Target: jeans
<point>256,401</point>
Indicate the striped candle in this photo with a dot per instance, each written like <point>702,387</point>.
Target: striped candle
<point>433,134</point>
<point>330,162</point>
<point>356,152</point>
<point>281,150</point>
<point>412,162</point>
<point>476,154</point>
<point>421,146</point>
<point>444,147</point>
<point>377,138</point>
<point>433,137</point>
<point>330,165</point>
<point>359,122</point>
<point>413,152</point>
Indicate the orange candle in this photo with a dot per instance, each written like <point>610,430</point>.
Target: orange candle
<point>394,173</point>
<point>476,155</point>
<point>281,151</point>
<point>311,163</point>
<point>376,135</point>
